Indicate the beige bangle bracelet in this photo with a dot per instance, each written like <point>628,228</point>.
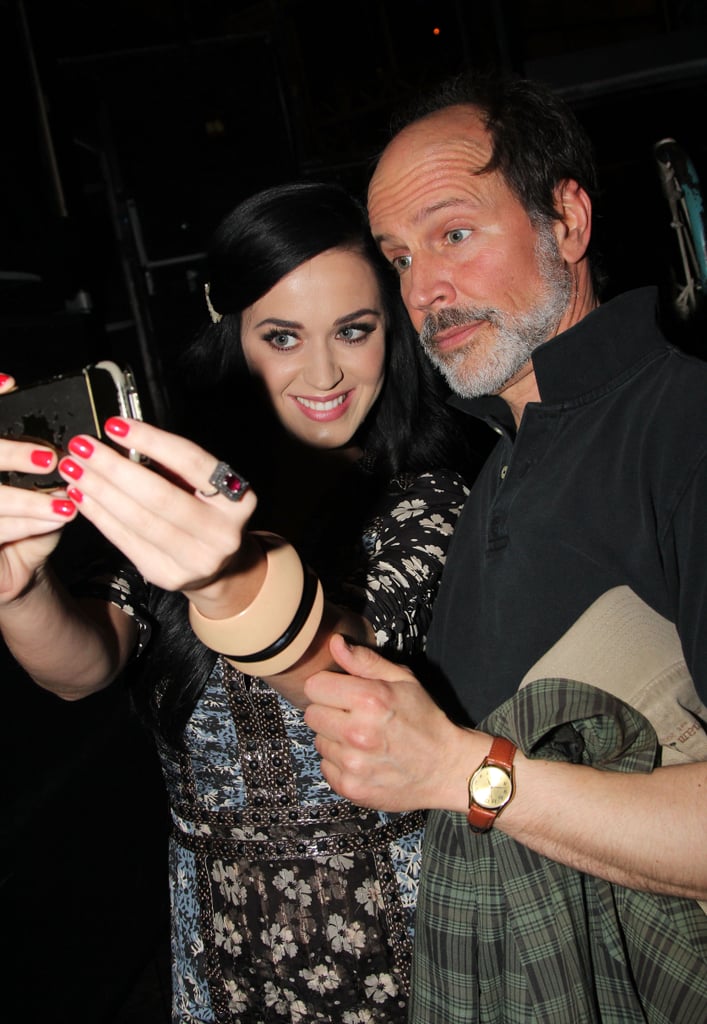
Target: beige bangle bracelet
<point>294,651</point>
<point>270,612</point>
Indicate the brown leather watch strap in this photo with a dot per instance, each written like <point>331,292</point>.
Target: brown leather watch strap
<point>501,753</point>
<point>480,818</point>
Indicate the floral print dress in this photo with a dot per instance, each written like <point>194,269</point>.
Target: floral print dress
<point>290,904</point>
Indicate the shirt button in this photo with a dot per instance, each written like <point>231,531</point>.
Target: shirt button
<point>504,470</point>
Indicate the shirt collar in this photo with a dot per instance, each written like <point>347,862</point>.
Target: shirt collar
<point>600,348</point>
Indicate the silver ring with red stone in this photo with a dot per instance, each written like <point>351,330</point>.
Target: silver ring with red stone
<point>226,481</point>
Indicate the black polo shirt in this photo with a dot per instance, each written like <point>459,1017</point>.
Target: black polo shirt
<point>605,483</point>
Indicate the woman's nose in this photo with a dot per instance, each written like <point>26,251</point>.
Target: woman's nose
<point>322,371</point>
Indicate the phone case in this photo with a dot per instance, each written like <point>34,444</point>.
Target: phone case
<point>52,411</point>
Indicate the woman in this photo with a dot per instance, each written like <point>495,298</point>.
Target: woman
<point>287,902</point>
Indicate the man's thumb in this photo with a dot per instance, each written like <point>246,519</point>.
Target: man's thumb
<point>363,661</point>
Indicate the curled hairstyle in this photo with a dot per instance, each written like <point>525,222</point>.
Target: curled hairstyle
<point>537,141</point>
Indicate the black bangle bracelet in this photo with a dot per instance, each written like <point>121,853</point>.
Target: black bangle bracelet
<point>309,592</point>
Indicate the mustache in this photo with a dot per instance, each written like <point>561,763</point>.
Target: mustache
<point>455,316</point>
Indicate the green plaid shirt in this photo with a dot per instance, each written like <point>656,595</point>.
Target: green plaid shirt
<point>506,936</point>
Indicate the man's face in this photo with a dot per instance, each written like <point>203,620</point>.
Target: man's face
<point>483,285</point>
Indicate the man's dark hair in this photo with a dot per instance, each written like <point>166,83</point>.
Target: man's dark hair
<point>537,140</point>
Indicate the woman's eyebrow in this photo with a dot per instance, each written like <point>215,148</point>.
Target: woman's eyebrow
<point>357,313</point>
<point>277,322</point>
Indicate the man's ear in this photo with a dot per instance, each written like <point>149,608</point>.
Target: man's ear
<point>574,228</point>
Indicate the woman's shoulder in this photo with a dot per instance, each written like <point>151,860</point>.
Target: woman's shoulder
<point>435,483</point>
<point>430,500</point>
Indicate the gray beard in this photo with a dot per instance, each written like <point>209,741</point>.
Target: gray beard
<point>517,335</point>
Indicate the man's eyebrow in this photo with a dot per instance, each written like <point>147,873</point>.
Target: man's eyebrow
<point>427,211</point>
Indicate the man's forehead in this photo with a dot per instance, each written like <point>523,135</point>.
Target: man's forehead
<point>454,130</point>
<point>458,126</point>
<point>443,147</point>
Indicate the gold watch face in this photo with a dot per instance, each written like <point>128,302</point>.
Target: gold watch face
<point>491,787</point>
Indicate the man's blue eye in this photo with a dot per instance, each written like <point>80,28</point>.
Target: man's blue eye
<point>402,262</point>
<point>458,235</point>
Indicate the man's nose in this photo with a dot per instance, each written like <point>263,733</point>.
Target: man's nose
<point>426,286</point>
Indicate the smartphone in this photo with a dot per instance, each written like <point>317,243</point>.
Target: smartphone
<point>51,412</point>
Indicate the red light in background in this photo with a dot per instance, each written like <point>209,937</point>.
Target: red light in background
<point>435,31</point>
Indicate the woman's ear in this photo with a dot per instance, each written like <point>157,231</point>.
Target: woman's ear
<point>574,228</point>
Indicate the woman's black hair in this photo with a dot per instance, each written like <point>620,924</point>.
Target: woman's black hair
<point>409,430</point>
<point>263,239</point>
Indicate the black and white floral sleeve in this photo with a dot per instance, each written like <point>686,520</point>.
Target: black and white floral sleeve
<point>406,546</point>
<point>124,587</point>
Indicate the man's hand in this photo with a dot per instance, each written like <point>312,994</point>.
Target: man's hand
<point>384,743</point>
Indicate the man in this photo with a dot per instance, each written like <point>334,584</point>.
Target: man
<point>569,894</point>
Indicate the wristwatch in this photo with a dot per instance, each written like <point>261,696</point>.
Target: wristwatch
<point>491,785</point>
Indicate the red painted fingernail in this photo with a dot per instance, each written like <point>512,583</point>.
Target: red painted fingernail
<point>75,494</point>
<point>71,468</point>
<point>116,426</point>
<point>41,458</point>
<point>80,446</point>
<point>63,507</point>
<point>4,378</point>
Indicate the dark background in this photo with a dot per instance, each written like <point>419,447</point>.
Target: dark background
<point>129,129</point>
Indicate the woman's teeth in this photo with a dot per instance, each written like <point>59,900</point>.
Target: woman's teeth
<point>331,403</point>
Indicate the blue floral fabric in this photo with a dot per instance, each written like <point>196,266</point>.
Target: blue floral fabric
<point>290,904</point>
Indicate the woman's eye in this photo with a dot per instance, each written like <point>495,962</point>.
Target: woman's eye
<point>457,235</point>
<point>281,340</point>
<point>356,332</point>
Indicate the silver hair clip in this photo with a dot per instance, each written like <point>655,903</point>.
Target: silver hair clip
<point>216,318</point>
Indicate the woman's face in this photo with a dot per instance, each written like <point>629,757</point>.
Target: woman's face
<point>317,341</point>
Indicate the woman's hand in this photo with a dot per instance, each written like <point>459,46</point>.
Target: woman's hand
<point>30,521</point>
<point>159,516</point>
